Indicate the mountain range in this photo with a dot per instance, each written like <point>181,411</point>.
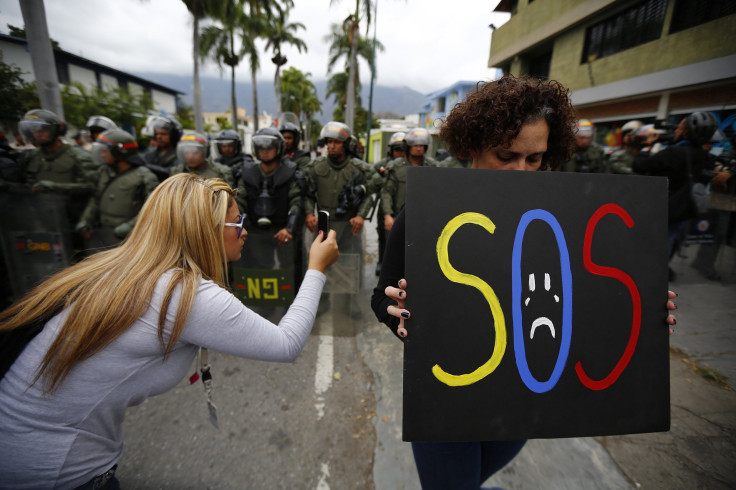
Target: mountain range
<point>216,95</point>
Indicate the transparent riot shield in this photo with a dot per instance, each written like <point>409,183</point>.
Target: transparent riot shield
<point>265,273</point>
<point>36,238</point>
<point>340,302</point>
<point>344,276</point>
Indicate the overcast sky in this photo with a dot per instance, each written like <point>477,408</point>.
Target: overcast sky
<point>430,44</point>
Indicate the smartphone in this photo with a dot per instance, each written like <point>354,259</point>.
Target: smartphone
<point>323,223</point>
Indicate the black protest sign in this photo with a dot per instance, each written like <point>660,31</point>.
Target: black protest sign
<point>537,305</point>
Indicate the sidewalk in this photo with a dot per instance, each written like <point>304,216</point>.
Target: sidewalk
<point>697,452</point>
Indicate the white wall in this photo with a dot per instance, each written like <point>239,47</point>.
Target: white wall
<point>108,81</point>
<point>82,75</point>
<point>134,89</point>
<point>163,102</point>
<point>14,54</point>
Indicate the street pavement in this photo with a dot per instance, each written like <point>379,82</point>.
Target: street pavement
<point>332,419</point>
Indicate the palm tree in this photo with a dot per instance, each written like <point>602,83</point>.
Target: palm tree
<point>281,31</point>
<point>340,47</point>
<point>246,19</point>
<point>299,95</point>
<point>351,28</point>
<point>199,10</point>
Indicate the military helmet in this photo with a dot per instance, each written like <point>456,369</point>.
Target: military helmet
<point>229,136</point>
<point>700,127</point>
<point>170,124</point>
<point>121,144</point>
<point>336,130</point>
<point>191,140</point>
<point>99,124</point>
<point>37,120</point>
<point>584,127</point>
<point>292,128</point>
<point>397,139</point>
<point>631,126</point>
<point>268,138</point>
<point>645,131</point>
<point>417,137</point>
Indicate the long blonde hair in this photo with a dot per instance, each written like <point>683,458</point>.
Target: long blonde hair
<point>180,227</point>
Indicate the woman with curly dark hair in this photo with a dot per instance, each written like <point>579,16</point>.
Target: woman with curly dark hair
<point>507,124</point>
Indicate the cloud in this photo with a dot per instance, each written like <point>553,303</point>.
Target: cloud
<point>429,44</point>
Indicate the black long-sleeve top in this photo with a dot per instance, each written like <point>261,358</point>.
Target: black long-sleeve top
<point>392,270</point>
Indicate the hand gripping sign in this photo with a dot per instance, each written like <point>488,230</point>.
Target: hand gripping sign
<point>538,305</point>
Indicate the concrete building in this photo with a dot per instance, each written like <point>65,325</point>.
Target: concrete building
<point>72,68</point>
<point>626,59</point>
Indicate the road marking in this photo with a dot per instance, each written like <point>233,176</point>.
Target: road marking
<point>322,483</point>
<point>325,371</point>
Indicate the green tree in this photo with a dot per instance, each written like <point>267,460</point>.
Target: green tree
<point>351,29</point>
<point>341,46</point>
<point>126,109</point>
<point>299,95</point>
<point>185,115</point>
<point>281,31</point>
<point>245,19</point>
<point>21,33</point>
<point>16,95</point>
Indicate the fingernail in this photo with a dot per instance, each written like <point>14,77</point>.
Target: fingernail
<point>402,334</point>
<point>675,305</point>
<point>404,314</point>
<point>401,294</point>
<point>674,321</point>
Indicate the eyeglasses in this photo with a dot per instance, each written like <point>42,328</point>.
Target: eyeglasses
<point>239,224</point>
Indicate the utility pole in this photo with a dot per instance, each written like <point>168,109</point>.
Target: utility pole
<point>42,56</point>
<point>373,78</point>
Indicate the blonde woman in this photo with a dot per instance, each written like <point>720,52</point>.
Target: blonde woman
<point>130,323</point>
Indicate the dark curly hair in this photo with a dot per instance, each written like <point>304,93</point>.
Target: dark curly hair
<point>494,114</point>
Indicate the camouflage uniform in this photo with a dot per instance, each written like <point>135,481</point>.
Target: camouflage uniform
<point>326,180</point>
<point>589,160</point>
<point>117,200</point>
<point>620,161</point>
<point>393,192</point>
<point>71,170</point>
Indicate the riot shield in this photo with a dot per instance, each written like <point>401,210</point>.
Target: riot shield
<point>264,275</point>
<point>36,238</point>
<point>344,276</point>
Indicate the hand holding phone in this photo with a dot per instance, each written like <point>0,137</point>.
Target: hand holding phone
<point>323,223</point>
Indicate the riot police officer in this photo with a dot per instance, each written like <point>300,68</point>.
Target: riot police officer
<point>192,154</point>
<point>292,135</point>
<point>270,192</point>
<point>589,156</point>
<point>622,158</point>
<point>339,183</point>
<point>54,166</point>
<point>393,191</point>
<point>123,186</point>
<point>395,150</point>
<point>166,131</point>
<point>229,147</point>
<point>97,125</point>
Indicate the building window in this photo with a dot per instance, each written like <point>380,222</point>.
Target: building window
<point>440,104</point>
<point>690,14</point>
<point>62,71</point>
<point>539,65</point>
<point>636,25</point>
